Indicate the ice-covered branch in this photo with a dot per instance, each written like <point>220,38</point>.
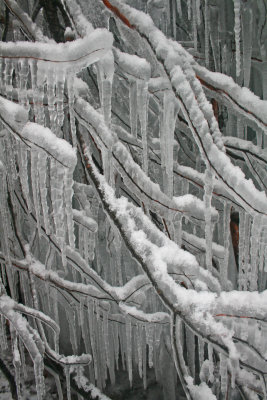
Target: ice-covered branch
<point>133,175</point>
<point>154,262</point>
<point>29,27</point>
<point>196,109</point>
<point>69,57</point>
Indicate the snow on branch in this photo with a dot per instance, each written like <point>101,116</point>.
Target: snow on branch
<point>197,110</point>
<point>134,176</point>
<point>195,308</point>
<point>70,56</point>
<point>57,148</point>
<point>29,27</point>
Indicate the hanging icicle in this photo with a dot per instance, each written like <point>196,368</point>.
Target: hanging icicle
<point>226,240</point>
<point>237,29</point>
<point>51,98</point>
<point>105,74</point>
<point>129,348</point>
<point>189,10</point>
<point>194,11</point>
<point>254,251</point>
<point>57,181</point>
<point>168,117</point>
<point>60,84</point>
<point>142,107</point>
<point>247,37</point>
<point>208,224</point>
<point>133,107</point>
<point>211,363</point>
<point>42,174</point>
<point>179,8</point>
<point>23,79</point>
<point>68,194</point>
<point>223,373</point>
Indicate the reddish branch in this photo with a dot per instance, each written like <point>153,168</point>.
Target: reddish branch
<point>122,17</point>
<point>117,12</point>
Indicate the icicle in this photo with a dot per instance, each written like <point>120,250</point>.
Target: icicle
<point>226,237</point>
<point>42,167</point>
<point>178,222</point>
<point>194,24</point>
<point>35,187</point>
<point>208,225</point>
<point>68,193</point>
<point>116,343</point>
<point>244,329</point>
<point>39,378</point>
<point>198,12</point>
<point>150,340</point>
<point>174,19</point>
<point>106,337</point>
<point>167,126</point>
<point>8,72</point>
<point>118,255</point>
<point>223,373</point>
<point>240,128</point>
<point>35,94</point>
<point>71,316</point>
<point>95,207</point>
<point>144,358</point>
<point>91,245</point>
<point>264,84</point>
<point>214,35</point>
<point>211,365</point>
<point>251,332</point>
<point>190,346</point>
<point>16,363</point>
<point>189,5</point>
<point>23,361</point>
<point>82,236</point>
<point>139,349</point>
<point>54,296</point>
<point>23,78</point>
<point>10,159</point>
<point>60,83</point>
<point>142,107</point>
<point>133,107</point>
<point>90,307</point>
<point>200,351</point>
<point>105,73</point>
<point>263,344</point>
<point>129,348</point>
<point>97,309</point>
<point>122,341</point>
<point>247,35</point>
<point>107,162</point>
<point>67,375</point>
<point>38,91</point>
<point>70,87</point>
<point>3,336</point>
<point>23,174</point>
<point>179,8</point>
<point>254,248</point>
<point>3,274</point>
<point>234,369</point>
<point>241,249</point>
<point>51,98</point>
<point>5,228</point>
<point>2,66</point>
<point>111,356</point>
<point>101,353</point>
<point>57,179</point>
<point>237,29</point>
